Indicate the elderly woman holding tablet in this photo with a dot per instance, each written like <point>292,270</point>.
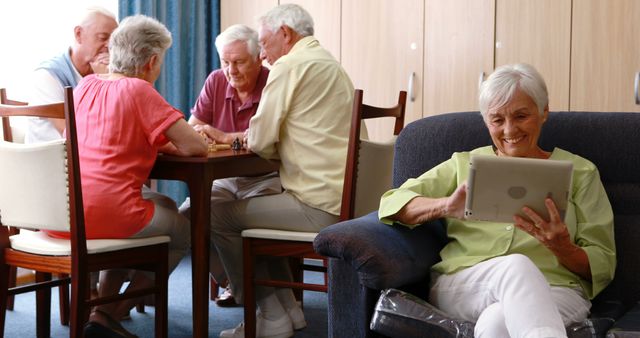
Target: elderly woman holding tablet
<point>535,275</point>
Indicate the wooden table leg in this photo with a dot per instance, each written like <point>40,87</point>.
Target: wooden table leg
<point>200,192</point>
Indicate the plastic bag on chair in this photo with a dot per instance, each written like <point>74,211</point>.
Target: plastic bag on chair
<point>400,314</point>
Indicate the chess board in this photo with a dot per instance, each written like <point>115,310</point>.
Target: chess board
<point>213,147</point>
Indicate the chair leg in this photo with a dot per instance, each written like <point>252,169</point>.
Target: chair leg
<point>13,275</point>
<point>43,307</point>
<point>140,305</point>
<point>161,298</point>
<point>249,290</point>
<point>298,276</point>
<point>79,314</point>
<point>4,286</point>
<point>63,291</point>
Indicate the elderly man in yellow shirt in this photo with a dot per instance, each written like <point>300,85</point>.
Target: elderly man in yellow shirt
<point>303,121</point>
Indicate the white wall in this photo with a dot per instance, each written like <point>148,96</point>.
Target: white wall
<point>34,30</point>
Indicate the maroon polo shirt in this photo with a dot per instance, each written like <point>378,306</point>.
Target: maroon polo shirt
<point>219,105</point>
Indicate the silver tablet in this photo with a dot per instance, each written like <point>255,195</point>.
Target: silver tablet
<point>498,187</point>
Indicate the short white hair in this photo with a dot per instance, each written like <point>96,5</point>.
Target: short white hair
<point>291,15</point>
<point>501,86</point>
<point>86,15</point>
<point>134,42</point>
<point>239,33</point>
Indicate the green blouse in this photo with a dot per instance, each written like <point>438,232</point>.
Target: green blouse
<point>589,218</point>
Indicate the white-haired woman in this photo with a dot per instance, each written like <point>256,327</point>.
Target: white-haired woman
<point>530,280</point>
<point>123,122</point>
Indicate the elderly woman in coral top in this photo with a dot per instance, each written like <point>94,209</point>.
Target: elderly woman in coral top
<point>123,122</point>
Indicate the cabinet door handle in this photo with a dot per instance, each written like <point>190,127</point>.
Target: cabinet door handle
<point>480,79</point>
<point>412,95</point>
<point>637,86</point>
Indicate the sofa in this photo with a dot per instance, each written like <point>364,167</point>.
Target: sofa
<point>367,257</point>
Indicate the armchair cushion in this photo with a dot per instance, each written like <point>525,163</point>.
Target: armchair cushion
<point>389,256</point>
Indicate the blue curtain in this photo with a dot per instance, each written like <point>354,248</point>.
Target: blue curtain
<point>193,24</point>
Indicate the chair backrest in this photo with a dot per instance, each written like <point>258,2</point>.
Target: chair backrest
<point>34,184</point>
<point>369,164</point>
<point>41,182</point>
<point>7,133</point>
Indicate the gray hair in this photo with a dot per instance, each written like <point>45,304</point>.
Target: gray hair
<point>501,86</point>
<point>239,33</point>
<point>134,42</point>
<point>87,14</point>
<point>292,15</point>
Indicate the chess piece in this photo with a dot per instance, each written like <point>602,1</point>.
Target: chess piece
<point>236,145</point>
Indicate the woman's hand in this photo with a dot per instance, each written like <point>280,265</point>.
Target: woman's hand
<point>216,135</point>
<point>554,235</point>
<point>423,209</point>
<point>455,203</point>
<point>211,133</point>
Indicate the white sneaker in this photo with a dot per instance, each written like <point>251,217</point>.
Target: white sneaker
<point>297,318</point>
<point>279,328</point>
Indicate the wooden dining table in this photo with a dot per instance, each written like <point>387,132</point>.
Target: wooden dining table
<point>199,173</point>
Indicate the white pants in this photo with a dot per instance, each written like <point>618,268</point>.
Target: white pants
<point>508,296</point>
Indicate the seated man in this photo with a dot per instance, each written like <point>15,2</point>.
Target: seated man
<point>303,121</point>
<point>229,98</point>
<point>89,54</point>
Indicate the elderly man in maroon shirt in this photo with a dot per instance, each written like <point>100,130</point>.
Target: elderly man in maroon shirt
<point>228,100</point>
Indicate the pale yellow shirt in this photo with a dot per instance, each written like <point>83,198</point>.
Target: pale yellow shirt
<point>589,218</point>
<point>303,120</point>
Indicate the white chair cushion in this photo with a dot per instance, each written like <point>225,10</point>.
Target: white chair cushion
<point>38,242</point>
<point>280,235</point>
<point>34,185</point>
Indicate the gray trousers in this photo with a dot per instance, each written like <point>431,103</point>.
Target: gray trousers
<point>231,189</point>
<point>168,222</point>
<point>281,211</point>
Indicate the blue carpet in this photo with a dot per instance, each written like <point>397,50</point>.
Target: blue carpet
<point>21,321</point>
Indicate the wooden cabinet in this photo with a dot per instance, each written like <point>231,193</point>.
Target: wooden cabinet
<point>537,32</point>
<point>326,19</point>
<point>381,50</point>
<point>458,48</point>
<point>587,50</point>
<point>605,55</point>
<point>243,11</point>
<point>465,40</point>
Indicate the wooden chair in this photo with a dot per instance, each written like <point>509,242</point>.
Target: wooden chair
<point>367,177</point>
<point>7,134</point>
<point>35,196</point>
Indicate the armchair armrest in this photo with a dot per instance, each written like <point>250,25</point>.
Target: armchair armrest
<point>383,256</point>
